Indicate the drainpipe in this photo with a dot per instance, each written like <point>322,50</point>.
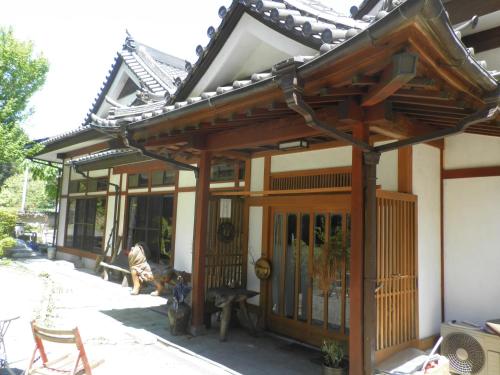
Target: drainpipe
<point>130,143</point>
<point>113,234</point>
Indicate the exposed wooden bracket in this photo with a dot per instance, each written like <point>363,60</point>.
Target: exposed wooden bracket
<point>402,69</point>
<point>383,120</point>
<point>349,112</point>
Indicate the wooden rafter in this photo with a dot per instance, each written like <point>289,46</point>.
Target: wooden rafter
<point>402,69</point>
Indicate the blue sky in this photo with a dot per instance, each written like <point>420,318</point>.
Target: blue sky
<point>81,38</point>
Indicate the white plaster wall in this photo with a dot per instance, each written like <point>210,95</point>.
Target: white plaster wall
<point>218,185</point>
<point>471,150</point>
<point>387,170</point>
<point>327,158</point>
<point>62,222</point>
<point>65,180</point>
<point>114,179</point>
<point>124,182</point>
<point>121,222</point>
<point>257,175</point>
<point>472,248</point>
<point>426,184</point>
<point>110,212</point>
<point>184,231</point>
<point>99,173</point>
<point>254,249</point>
<point>187,179</point>
<point>162,188</point>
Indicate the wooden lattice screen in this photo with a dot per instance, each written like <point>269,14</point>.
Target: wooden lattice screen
<point>224,259</point>
<point>397,309</point>
<point>312,179</point>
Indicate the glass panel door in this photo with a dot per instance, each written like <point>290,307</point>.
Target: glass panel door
<point>309,289</point>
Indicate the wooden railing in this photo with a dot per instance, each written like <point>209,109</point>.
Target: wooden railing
<point>397,295</point>
<point>311,179</point>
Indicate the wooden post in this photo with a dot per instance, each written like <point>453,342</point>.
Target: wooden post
<point>363,257</point>
<point>370,161</point>
<point>200,243</point>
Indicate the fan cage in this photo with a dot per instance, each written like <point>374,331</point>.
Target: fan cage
<point>455,344</point>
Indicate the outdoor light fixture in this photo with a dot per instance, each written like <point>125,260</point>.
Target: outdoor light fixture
<point>301,143</point>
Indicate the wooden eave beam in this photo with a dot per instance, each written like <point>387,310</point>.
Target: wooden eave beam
<point>484,40</point>
<point>381,119</point>
<point>270,132</point>
<point>402,69</point>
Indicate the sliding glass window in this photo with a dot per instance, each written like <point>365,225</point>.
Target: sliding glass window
<point>86,224</point>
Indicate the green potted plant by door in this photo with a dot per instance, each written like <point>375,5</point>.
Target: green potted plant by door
<point>333,358</point>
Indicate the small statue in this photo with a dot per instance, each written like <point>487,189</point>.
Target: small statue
<point>179,313</point>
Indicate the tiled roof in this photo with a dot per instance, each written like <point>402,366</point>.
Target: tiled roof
<point>332,38</point>
<point>104,155</point>
<point>68,134</point>
<point>158,72</point>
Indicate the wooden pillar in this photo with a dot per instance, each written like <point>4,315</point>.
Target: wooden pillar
<point>362,331</point>
<point>200,243</point>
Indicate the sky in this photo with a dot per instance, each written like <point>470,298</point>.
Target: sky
<point>81,38</point>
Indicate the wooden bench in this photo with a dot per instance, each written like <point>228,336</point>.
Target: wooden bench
<point>120,265</point>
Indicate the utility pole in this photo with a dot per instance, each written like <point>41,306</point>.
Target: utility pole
<point>25,188</point>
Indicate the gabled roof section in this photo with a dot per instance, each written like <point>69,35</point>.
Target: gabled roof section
<point>108,159</point>
<point>429,14</point>
<point>158,73</point>
<point>308,22</point>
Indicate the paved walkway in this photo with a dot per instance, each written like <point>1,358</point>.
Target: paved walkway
<point>128,331</point>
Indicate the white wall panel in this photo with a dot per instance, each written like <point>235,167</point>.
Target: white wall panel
<point>327,158</point>
<point>254,249</point>
<point>184,231</point>
<point>187,179</point>
<point>472,248</point>
<point>471,150</point>
<point>426,184</point>
<point>61,231</point>
<point>65,180</point>
<point>257,175</point>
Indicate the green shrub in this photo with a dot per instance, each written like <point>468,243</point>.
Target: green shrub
<point>6,243</point>
<point>7,223</point>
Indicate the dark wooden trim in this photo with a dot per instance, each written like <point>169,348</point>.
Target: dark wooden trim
<point>471,172</point>
<point>441,228</point>
<point>154,165</point>
<point>484,40</point>
<point>405,169</point>
<point>356,333</point>
<point>462,10</point>
<point>267,172</point>
<point>200,241</point>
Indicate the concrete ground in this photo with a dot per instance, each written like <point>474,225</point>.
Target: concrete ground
<point>130,332</point>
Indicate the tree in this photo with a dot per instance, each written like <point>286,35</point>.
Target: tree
<point>21,75</point>
<point>37,197</point>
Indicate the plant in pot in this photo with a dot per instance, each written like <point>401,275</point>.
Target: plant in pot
<point>179,312</point>
<point>333,358</point>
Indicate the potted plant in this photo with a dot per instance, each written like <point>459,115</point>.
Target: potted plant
<point>333,358</point>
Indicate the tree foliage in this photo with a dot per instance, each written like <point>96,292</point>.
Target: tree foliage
<point>21,75</point>
<point>38,197</point>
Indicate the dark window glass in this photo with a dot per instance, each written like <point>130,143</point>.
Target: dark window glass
<point>86,224</point>
<point>150,219</point>
<point>102,184</point>
<point>223,172</point>
<point>241,171</point>
<point>138,180</point>
<point>163,178</point>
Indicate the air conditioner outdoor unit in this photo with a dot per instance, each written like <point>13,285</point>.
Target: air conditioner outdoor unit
<point>470,350</point>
